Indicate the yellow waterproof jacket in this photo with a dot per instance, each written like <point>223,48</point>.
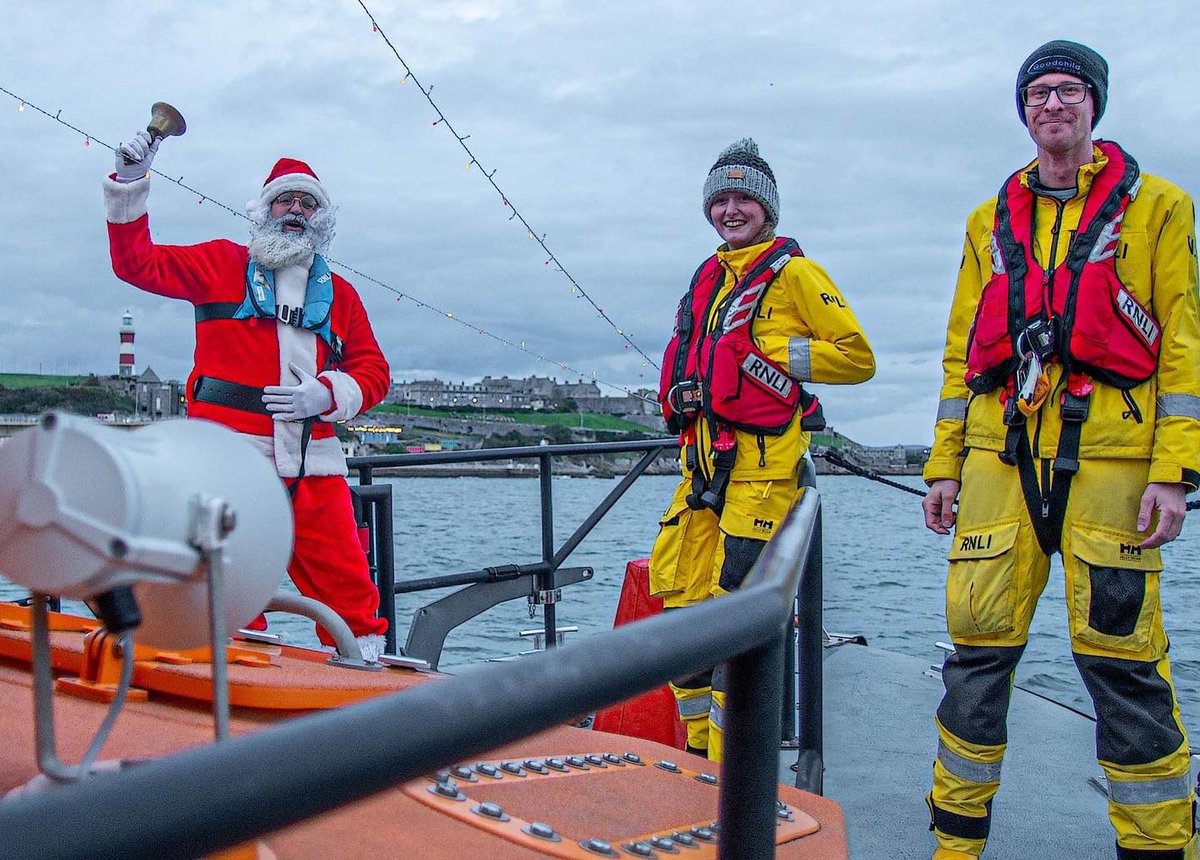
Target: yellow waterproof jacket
<point>806,326</point>
<point>1158,420</point>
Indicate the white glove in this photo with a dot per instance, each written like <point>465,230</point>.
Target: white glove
<point>297,402</point>
<point>140,151</point>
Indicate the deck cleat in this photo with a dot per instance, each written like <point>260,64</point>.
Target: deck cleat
<point>638,849</point>
<point>598,846</point>
<point>535,765</point>
<point>706,778</point>
<point>633,758</point>
<point>489,770</point>
<point>512,767</point>
<point>556,764</point>
<point>593,759</point>
<point>577,763</point>
<point>668,766</point>
<point>541,830</point>
<point>488,809</point>
<point>664,843</point>
<point>612,758</point>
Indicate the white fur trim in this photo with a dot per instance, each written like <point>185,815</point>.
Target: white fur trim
<point>294,182</point>
<point>325,456</point>
<point>125,202</point>
<point>347,396</point>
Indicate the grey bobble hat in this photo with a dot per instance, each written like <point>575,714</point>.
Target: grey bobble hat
<point>739,167</point>
<point>1068,58</point>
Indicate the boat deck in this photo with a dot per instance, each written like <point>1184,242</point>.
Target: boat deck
<point>880,741</point>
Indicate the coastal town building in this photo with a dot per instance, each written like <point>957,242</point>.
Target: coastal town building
<point>530,392</point>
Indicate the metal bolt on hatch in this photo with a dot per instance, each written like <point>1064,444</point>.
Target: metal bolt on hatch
<point>489,809</point>
<point>703,834</point>
<point>685,839</point>
<point>576,762</point>
<point>556,764</point>
<point>664,843</point>
<point>447,789</point>
<point>534,765</point>
<point>512,767</point>
<point>464,773</point>
<point>541,830</point>
<point>488,770</point>
<point>706,778</point>
<point>632,758</point>
<point>598,761</point>
<point>598,846</point>
<point>668,766</point>
<point>612,758</point>
<point>638,849</point>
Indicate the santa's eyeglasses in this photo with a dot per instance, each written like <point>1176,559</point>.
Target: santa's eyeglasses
<point>308,203</point>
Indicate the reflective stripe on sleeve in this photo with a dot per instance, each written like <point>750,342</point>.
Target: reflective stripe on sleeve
<point>1150,790</point>
<point>716,716</point>
<point>953,407</point>
<point>1178,406</point>
<point>694,706</point>
<point>964,768</point>
<point>799,359</point>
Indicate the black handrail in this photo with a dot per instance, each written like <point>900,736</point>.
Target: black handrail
<point>168,806</point>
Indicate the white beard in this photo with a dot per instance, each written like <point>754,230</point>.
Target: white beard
<point>274,248</point>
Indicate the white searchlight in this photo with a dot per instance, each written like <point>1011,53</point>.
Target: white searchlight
<point>179,532</point>
<point>87,511</point>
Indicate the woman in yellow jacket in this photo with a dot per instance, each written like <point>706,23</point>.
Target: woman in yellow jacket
<point>768,319</point>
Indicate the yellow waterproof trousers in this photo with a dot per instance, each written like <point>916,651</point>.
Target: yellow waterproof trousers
<point>700,554</point>
<point>997,572</point>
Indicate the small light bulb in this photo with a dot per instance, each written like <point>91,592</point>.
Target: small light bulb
<point>21,107</point>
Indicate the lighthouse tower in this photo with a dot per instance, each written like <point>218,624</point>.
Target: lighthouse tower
<point>125,362</point>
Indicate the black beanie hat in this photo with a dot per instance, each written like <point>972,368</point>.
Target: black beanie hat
<point>1069,58</point>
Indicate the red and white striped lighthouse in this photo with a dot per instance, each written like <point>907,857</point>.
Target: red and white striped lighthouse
<point>125,362</point>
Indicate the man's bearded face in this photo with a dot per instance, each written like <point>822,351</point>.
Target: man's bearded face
<point>290,239</point>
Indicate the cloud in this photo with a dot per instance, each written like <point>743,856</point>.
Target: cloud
<point>885,125</point>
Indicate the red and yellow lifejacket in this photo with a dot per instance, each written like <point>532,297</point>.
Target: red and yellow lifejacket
<point>723,372</point>
<point>1081,313</point>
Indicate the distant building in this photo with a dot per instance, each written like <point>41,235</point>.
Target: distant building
<point>531,392</point>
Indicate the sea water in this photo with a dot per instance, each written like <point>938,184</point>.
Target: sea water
<point>884,572</point>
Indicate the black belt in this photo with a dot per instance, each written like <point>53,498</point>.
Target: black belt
<point>234,395</point>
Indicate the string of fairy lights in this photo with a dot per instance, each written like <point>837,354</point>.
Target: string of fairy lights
<point>490,178</point>
<point>24,104</point>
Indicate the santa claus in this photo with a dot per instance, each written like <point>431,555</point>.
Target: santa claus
<point>283,349</point>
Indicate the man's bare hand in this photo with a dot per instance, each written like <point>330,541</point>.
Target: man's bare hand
<point>938,505</point>
<point>1169,501</point>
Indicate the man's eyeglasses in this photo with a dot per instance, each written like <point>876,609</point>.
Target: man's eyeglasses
<point>1069,94</point>
<point>308,203</point>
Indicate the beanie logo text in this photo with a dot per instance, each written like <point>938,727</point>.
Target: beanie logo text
<point>736,173</point>
<point>1057,63</point>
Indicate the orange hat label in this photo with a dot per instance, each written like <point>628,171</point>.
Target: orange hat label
<point>735,173</point>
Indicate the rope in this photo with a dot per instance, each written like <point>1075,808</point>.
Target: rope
<point>842,463</point>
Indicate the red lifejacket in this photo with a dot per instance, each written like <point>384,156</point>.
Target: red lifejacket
<point>723,372</point>
<point>1079,313</point>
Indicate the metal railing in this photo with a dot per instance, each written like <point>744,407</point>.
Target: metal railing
<point>540,580</point>
<point>168,808</point>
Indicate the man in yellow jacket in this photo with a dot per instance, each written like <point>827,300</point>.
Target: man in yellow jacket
<point>759,320</point>
<point>1069,422</point>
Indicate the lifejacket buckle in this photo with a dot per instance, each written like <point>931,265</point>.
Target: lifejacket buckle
<point>1038,338</point>
<point>1074,409</point>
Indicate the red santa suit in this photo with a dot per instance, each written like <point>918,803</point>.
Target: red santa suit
<point>243,355</point>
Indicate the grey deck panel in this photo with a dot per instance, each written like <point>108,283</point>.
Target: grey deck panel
<point>880,741</point>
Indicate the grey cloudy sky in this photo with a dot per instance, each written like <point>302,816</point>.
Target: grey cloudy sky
<point>885,123</point>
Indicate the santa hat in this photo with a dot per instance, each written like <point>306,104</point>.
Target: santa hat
<point>288,174</point>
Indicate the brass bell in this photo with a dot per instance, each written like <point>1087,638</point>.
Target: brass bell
<point>165,121</point>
